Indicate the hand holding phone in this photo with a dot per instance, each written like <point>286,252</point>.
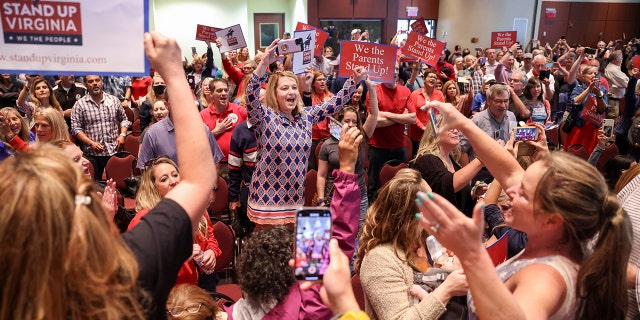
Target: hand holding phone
<point>526,133</point>
<point>335,128</point>
<point>311,252</point>
<point>607,127</point>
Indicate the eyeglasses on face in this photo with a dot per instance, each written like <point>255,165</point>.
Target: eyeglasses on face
<point>178,311</point>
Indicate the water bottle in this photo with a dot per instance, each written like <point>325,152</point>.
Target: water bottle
<point>198,260</point>
<point>435,248</point>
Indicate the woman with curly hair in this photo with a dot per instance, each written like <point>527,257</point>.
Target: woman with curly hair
<point>269,288</point>
<point>389,253</point>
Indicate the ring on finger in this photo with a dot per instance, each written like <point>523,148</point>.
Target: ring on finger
<point>434,228</point>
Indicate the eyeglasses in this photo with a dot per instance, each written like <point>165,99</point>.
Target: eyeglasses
<point>178,311</point>
<point>514,80</point>
<point>321,80</point>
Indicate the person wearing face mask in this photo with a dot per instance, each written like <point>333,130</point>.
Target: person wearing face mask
<point>154,93</point>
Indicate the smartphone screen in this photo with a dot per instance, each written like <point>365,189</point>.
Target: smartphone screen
<point>432,117</point>
<point>526,133</point>
<point>335,128</point>
<point>544,74</point>
<point>193,50</point>
<point>311,252</point>
<point>607,127</point>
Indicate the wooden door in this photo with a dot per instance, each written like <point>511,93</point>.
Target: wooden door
<point>266,28</point>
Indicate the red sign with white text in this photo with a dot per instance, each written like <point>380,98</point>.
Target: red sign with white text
<point>420,27</point>
<point>42,22</point>
<point>503,39</point>
<point>378,59</point>
<point>206,33</point>
<point>321,36</point>
<point>424,48</point>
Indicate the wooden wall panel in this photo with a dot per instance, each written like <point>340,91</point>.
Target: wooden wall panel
<point>338,9</point>
<point>373,9</point>
<point>584,22</point>
<point>312,12</point>
<point>588,11</point>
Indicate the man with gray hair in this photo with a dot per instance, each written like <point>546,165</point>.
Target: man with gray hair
<point>539,64</point>
<point>617,84</point>
<point>495,120</point>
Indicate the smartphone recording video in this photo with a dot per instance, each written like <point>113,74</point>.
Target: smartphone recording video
<point>311,252</point>
<point>607,127</point>
<point>526,133</point>
<point>589,50</point>
<point>335,128</point>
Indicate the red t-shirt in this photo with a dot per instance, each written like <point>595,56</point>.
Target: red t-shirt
<point>390,100</point>
<point>210,116</point>
<point>139,87</point>
<point>418,99</point>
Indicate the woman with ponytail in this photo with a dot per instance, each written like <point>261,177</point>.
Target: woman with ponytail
<point>579,237</point>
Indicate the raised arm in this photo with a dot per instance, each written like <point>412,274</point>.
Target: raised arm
<point>369,125</point>
<point>335,104</point>
<point>573,72</point>
<point>197,170</point>
<point>498,160</point>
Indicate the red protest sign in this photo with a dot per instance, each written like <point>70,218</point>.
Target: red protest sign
<point>321,36</point>
<point>423,48</point>
<point>420,27</point>
<point>378,59</point>
<point>206,33</point>
<point>503,39</point>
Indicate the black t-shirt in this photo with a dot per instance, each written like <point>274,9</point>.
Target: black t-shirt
<point>161,242</point>
<point>440,179</point>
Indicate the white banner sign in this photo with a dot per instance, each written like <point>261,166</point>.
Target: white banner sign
<point>304,59</point>
<point>231,38</point>
<point>81,37</point>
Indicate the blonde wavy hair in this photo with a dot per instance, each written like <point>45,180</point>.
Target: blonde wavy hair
<point>271,99</point>
<point>391,218</point>
<point>430,144</point>
<point>148,195</point>
<point>61,259</point>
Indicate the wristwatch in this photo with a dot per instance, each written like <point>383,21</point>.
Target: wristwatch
<point>124,135</point>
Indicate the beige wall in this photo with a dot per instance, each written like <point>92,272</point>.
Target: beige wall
<point>464,19</point>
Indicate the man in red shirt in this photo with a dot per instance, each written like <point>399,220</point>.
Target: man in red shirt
<point>388,142</point>
<point>222,117</point>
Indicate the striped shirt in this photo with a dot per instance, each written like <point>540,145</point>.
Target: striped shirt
<point>101,122</point>
<point>630,199</point>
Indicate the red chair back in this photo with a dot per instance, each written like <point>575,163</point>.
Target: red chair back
<point>553,137</point>
<point>221,204</point>
<point>609,153</point>
<point>129,114</point>
<point>498,250</point>
<point>132,145</point>
<point>120,166</point>
<point>136,130</point>
<point>310,187</point>
<point>226,243</point>
<point>317,151</point>
<point>578,150</point>
<point>389,171</point>
<point>409,145</point>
